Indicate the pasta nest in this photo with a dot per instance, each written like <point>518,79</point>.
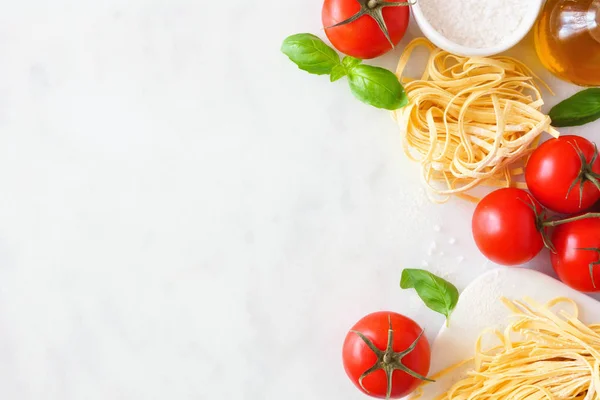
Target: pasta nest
<point>470,120</point>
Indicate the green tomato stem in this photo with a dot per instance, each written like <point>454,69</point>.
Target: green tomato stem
<point>548,224</point>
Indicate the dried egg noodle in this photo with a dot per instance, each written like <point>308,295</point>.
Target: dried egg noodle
<point>557,357</point>
<point>469,119</point>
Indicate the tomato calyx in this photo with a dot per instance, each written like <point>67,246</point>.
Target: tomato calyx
<point>388,360</point>
<point>586,174</point>
<point>541,223</point>
<point>592,264</point>
<point>374,9</point>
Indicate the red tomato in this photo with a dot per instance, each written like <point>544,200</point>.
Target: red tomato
<point>505,227</point>
<point>555,171</point>
<point>363,38</point>
<point>397,354</point>
<point>577,258</point>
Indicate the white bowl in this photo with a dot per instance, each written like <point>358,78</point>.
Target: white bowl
<point>444,43</point>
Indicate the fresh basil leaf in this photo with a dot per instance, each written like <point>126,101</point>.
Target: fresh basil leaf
<point>310,53</point>
<point>377,87</point>
<point>579,109</point>
<point>438,294</point>
<point>351,62</point>
<point>337,72</point>
<point>575,121</point>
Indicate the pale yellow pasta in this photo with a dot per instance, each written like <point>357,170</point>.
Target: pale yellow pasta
<point>469,120</point>
<point>556,357</point>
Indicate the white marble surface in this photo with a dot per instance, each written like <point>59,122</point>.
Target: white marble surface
<point>185,215</point>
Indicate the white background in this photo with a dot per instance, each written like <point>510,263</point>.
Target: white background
<point>186,215</point>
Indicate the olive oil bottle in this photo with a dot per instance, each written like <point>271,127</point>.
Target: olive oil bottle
<point>567,40</point>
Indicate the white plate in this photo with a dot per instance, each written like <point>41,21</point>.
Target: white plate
<point>479,307</point>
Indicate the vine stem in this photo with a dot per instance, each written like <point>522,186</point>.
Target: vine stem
<point>548,224</point>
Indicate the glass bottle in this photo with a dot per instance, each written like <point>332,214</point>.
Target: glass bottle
<point>567,40</point>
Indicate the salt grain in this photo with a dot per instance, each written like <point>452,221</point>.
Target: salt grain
<point>432,248</point>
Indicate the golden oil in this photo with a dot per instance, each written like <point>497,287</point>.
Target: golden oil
<point>567,40</point>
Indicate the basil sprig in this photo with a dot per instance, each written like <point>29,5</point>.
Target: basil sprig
<point>375,86</point>
<point>579,109</point>
<point>438,294</point>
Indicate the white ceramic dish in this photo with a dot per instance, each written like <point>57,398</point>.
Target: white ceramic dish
<point>479,307</point>
<point>444,43</point>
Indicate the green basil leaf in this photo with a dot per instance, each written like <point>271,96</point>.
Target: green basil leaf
<point>351,62</point>
<point>565,122</point>
<point>337,72</point>
<point>377,87</point>
<point>438,294</point>
<point>310,53</point>
<point>579,109</point>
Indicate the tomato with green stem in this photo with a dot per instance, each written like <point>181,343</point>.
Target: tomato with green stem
<point>386,355</point>
<point>507,226</point>
<point>564,174</point>
<point>365,28</point>
<point>576,256</point>
<point>510,228</point>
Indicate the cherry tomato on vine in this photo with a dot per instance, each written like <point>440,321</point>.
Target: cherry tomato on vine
<point>563,174</point>
<point>365,28</point>
<point>506,227</point>
<point>577,257</point>
<point>386,355</point>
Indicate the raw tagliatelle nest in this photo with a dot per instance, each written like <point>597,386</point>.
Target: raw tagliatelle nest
<point>470,120</point>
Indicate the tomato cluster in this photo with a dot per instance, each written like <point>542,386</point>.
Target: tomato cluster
<point>511,226</point>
